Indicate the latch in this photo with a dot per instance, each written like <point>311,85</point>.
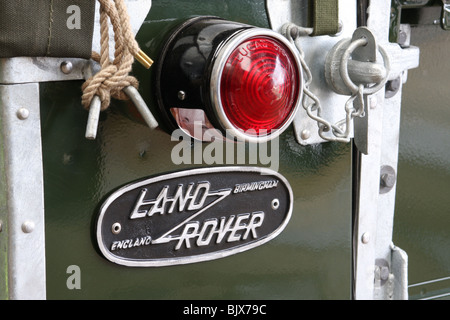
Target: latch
<point>352,68</point>
<point>352,63</point>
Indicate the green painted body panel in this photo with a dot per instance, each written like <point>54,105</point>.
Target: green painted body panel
<point>422,216</point>
<point>310,259</point>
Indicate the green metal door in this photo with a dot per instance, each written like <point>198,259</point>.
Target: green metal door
<point>422,220</point>
<point>310,259</point>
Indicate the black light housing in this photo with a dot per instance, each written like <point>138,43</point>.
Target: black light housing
<point>244,81</point>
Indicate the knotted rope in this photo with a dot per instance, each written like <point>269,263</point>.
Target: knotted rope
<point>114,75</point>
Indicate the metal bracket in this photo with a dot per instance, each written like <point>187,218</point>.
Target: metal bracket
<point>21,192</point>
<point>341,73</point>
<point>31,70</point>
<point>374,214</point>
<point>21,171</point>
<point>315,49</point>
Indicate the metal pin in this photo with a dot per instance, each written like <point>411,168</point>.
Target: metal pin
<point>94,109</point>
<point>95,106</point>
<point>144,59</point>
<point>141,106</point>
<point>94,115</point>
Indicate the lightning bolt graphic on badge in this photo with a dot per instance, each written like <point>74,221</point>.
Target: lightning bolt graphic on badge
<point>165,238</point>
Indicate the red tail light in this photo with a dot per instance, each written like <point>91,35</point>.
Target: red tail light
<point>258,85</point>
<point>246,80</point>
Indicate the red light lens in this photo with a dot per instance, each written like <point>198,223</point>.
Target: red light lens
<point>259,85</point>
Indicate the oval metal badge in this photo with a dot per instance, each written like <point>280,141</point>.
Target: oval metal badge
<point>193,215</point>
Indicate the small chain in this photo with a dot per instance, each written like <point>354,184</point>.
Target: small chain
<point>341,131</point>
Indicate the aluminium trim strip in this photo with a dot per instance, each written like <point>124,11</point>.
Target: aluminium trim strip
<point>23,194</point>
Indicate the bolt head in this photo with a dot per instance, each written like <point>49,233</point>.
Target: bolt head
<point>384,273</point>
<point>387,180</point>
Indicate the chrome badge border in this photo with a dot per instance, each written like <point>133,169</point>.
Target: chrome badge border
<point>161,262</point>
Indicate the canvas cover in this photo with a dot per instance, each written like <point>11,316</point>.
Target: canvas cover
<point>46,28</point>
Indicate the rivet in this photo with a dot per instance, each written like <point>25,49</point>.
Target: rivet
<point>66,67</point>
<point>365,238</point>
<point>28,226</point>
<point>305,134</point>
<point>23,113</point>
